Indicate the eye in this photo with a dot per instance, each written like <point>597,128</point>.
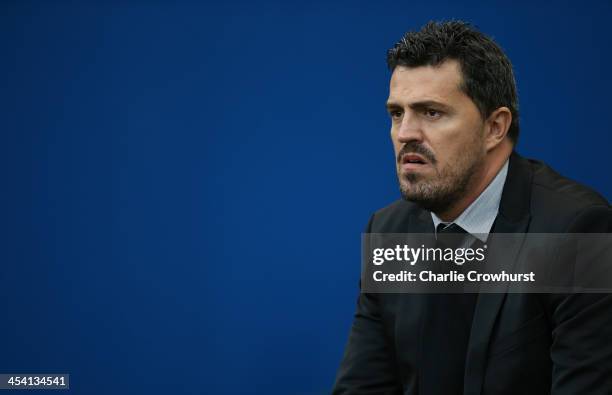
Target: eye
<point>432,114</point>
<point>395,114</point>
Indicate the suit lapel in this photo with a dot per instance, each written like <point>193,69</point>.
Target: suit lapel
<point>412,307</point>
<point>513,217</point>
<point>421,222</point>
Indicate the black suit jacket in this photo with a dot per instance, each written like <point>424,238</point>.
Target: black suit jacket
<point>519,343</point>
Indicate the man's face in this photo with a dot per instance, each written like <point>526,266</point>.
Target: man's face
<point>437,133</point>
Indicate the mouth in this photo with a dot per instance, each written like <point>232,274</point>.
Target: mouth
<point>413,162</point>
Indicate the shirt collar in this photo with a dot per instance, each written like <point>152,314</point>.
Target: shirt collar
<point>478,218</point>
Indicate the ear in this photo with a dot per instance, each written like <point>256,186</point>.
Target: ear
<point>496,127</point>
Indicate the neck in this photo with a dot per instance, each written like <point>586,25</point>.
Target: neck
<point>493,163</point>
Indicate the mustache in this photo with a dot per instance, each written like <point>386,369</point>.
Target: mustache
<point>416,148</point>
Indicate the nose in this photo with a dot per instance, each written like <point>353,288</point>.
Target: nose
<point>409,129</point>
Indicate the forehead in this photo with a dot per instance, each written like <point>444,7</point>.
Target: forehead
<point>440,83</point>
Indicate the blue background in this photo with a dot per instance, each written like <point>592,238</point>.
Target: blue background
<point>184,184</point>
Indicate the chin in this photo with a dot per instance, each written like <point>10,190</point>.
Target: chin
<point>427,204</point>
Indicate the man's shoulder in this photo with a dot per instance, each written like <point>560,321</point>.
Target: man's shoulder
<point>397,217</point>
<point>557,201</point>
<point>549,183</point>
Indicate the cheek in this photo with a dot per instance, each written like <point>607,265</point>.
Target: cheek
<point>396,144</point>
<point>455,139</point>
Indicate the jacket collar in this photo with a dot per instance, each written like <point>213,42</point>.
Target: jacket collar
<point>513,217</point>
<point>516,196</point>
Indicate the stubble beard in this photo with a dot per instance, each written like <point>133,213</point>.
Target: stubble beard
<point>449,185</point>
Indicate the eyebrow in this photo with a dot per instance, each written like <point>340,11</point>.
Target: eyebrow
<point>391,105</point>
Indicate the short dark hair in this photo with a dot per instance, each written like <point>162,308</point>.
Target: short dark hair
<point>487,72</point>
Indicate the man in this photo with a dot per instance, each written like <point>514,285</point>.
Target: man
<point>454,125</point>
